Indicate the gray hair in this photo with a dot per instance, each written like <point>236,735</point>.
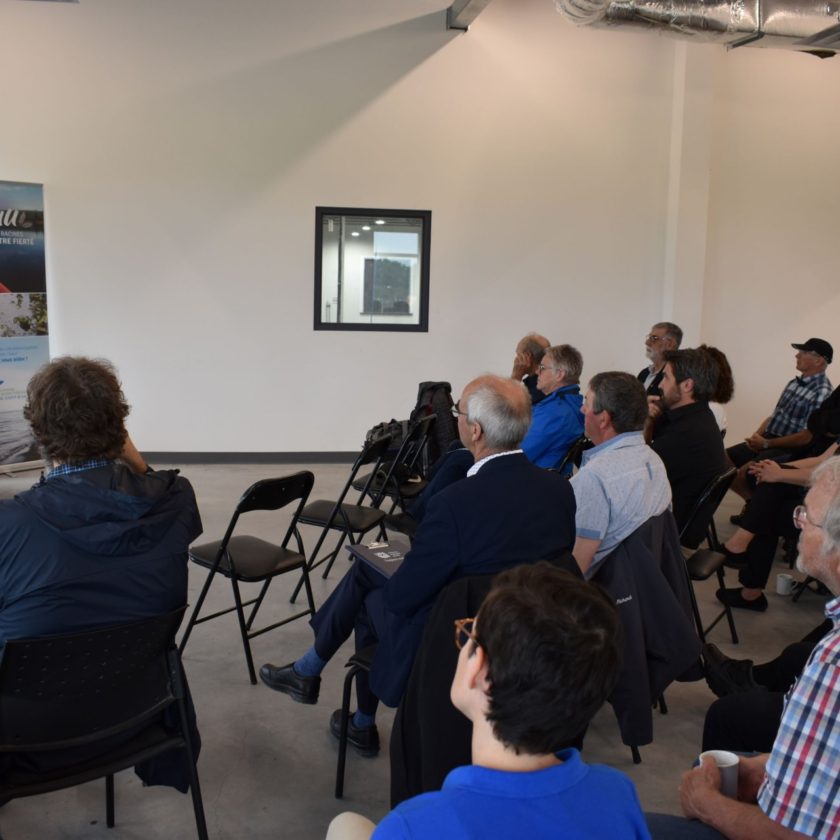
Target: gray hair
<point>831,521</point>
<point>535,344</point>
<point>502,408</point>
<point>671,331</point>
<point>568,359</point>
<point>623,397</point>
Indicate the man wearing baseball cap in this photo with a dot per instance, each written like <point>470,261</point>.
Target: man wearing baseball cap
<point>785,432</point>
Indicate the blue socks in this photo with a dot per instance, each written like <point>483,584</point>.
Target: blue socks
<point>310,664</point>
<point>362,721</point>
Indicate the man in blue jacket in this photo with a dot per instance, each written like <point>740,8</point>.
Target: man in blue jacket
<point>102,539</point>
<point>506,512</point>
<point>556,421</point>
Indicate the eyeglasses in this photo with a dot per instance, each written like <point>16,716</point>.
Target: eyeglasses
<point>464,632</point>
<point>654,338</point>
<point>800,518</point>
<point>456,410</point>
<point>542,367</point>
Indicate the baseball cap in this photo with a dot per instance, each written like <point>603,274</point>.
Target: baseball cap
<point>818,346</point>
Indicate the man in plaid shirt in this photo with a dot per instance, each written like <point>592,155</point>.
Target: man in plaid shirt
<point>795,790</point>
<point>785,433</point>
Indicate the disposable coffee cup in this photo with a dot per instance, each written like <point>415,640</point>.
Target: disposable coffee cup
<point>727,763</point>
<point>784,584</point>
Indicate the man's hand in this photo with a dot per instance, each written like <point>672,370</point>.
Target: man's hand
<point>654,407</point>
<point>750,776</point>
<point>700,790</point>
<point>523,364</point>
<point>132,458</point>
<point>756,442</point>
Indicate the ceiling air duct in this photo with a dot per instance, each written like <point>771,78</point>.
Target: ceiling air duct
<point>807,26</point>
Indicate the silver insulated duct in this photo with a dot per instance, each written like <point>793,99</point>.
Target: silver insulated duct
<point>806,25</point>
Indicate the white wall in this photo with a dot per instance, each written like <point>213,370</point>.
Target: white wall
<point>184,146</point>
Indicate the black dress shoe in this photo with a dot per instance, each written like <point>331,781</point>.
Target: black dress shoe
<point>363,739</point>
<point>737,518</point>
<point>289,681</point>
<point>735,598</point>
<point>727,676</point>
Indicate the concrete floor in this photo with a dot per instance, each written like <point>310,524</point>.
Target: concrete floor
<point>267,764</point>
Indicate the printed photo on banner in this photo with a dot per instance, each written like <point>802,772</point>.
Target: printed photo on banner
<point>24,342</point>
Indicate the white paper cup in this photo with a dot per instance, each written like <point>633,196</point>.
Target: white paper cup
<point>784,584</point>
<point>727,763</point>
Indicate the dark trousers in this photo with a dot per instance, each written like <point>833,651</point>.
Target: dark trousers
<point>769,515</point>
<point>746,722</point>
<point>355,605</point>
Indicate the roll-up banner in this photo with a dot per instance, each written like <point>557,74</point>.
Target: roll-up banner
<point>24,341</point>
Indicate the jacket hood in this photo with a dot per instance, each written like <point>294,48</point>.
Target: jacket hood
<point>109,511</point>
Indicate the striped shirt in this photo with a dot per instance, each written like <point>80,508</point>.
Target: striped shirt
<point>801,789</point>
<point>800,397</point>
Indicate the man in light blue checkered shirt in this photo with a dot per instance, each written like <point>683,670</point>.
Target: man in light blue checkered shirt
<point>794,791</point>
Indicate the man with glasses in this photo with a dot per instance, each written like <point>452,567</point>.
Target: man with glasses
<point>533,669</point>
<point>784,434</point>
<point>505,512</point>
<point>662,337</point>
<point>792,791</point>
<point>556,422</point>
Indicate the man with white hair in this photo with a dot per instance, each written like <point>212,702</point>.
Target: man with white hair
<point>793,791</point>
<point>505,512</point>
<point>662,337</point>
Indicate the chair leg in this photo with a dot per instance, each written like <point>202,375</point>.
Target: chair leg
<point>695,609</point>
<point>663,708</point>
<point>109,800</point>
<point>345,723</point>
<point>308,586</point>
<point>257,604</point>
<point>730,619</point>
<point>243,630</point>
<point>637,758</point>
<point>336,552</point>
<point>198,604</point>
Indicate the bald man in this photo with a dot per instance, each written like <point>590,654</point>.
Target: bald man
<point>505,512</point>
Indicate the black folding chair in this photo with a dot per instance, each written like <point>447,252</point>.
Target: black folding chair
<point>78,691</point>
<point>253,560</point>
<point>702,563</point>
<point>352,521</point>
<point>575,453</point>
<point>399,480</point>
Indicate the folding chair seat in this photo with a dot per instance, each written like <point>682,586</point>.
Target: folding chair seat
<point>352,521</point>
<point>125,680</point>
<point>702,563</point>
<point>249,559</point>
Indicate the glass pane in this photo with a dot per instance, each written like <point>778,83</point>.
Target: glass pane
<point>373,271</point>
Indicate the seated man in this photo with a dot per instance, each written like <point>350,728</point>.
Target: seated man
<point>684,432</point>
<point>529,353</point>
<point>556,422</point>
<point>535,666</point>
<point>622,482</point>
<point>103,538</point>
<point>506,512</point>
<point>792,792</point>
<point>662,337</point>
<point>784,433</point>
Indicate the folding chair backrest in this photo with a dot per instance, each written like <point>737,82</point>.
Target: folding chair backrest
<point>275,493</point>
<point>373,452</point>
<point>697,525</point>
<point>63,691</point>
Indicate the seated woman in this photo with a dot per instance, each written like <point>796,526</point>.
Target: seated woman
<point>768,516</point>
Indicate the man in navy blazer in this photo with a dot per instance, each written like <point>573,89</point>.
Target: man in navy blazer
<point>505,512</point>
